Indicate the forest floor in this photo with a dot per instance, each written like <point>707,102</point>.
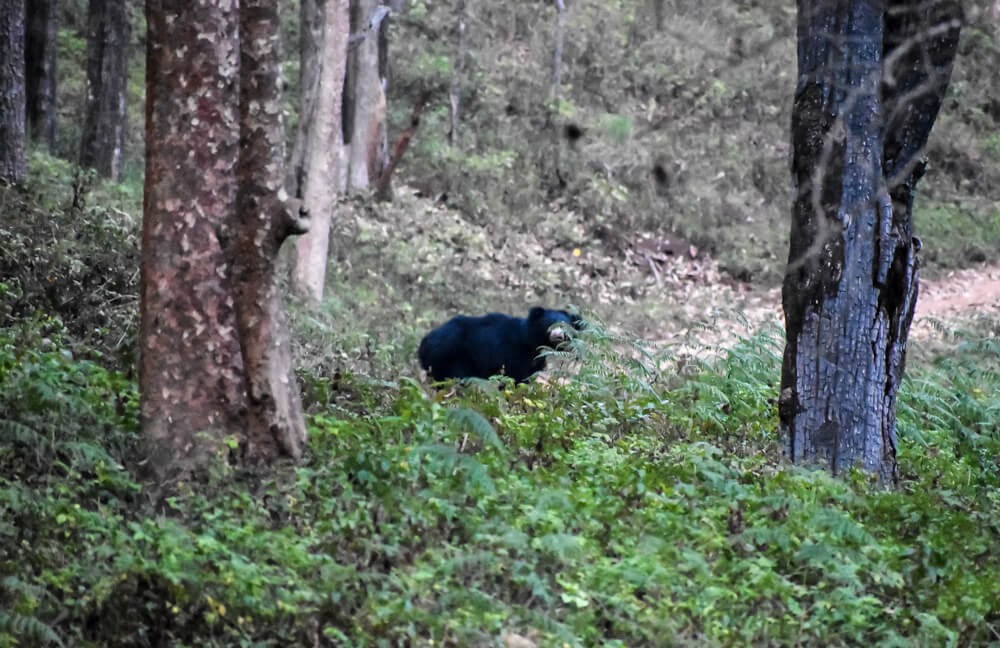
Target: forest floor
<point>661,292</point>
<point>961,293</point>
<point>958,300</point>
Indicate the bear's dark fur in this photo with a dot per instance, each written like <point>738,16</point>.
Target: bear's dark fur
<point>494,344</point>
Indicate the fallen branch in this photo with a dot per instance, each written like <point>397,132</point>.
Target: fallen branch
<point>383,187</point>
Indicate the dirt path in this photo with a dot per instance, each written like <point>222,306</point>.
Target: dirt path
<point>962,293</point>
<point>714,313</point>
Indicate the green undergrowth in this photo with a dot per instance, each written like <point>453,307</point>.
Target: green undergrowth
<point>69,246</point>
<point>626,500</point>
<point>944,233</point>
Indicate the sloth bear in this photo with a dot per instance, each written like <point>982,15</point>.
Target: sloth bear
<point>494,344</point>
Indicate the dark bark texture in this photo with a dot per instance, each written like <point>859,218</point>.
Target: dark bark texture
<point>872,76</point>
<point>264,218</point>
<point>107,77</point>
<point>40,49</point>
<point>12,166</point>
<point>192,388</point>
<point>310,39</point>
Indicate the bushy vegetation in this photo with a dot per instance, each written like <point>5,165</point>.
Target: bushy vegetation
<point>681,112</point>
<point>622,507</point>
<point>70,249</point>
<point>636,496</point>
<point>682,108</point>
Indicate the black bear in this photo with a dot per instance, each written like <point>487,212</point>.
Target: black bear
<point>494,344</point>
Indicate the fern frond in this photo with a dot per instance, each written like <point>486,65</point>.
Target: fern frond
<point>14,432</point>
<point>29,629</point>
<point>469,420</point>
<point>448,459</point>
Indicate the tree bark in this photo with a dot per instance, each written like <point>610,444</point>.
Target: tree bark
<point>12,105</point>
<point>871,80</point>
<point>191,378</point>
<point>264,218</point>
<point>40,50</point>
<point>455,91</point>
<point>319,164</point>
<point>383,185</point>
<point>366,135</point>
<point>107,77</point>
<point>557,49</point>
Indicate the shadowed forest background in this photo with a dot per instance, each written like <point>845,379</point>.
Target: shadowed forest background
<point>636,495</point>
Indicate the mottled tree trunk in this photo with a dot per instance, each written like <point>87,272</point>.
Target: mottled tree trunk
<point>264,218</point>
<point>107,77</point>
<point>871,80</point>
<point>319,165</point>
<point>365,128</point>
<point>40,50</point>
<point>12,167</point>
<point>191,375</point>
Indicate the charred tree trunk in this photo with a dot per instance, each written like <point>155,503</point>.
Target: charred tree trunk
<point>191,369</point>
<point>107,76</point>
<point>319,165</point>
<point>871,80</point>
<point>12,167</point>
<point>263,220</point>
<point>40,49</point>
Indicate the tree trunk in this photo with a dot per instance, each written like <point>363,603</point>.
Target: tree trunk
<point>263,220</point>
<point>383,184</point>
<point>40,50</point>
<point>191,370</point>
<point>557,49</point>
<point>318,163</point>
<point>107,77</point>
<point>455,91</point>
<point>871,81</point>
<point>12,167</point>
<point>366,135</point>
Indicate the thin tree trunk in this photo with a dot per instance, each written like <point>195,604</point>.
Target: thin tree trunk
<point>659,13</point>
<point>319,166</point>
<point>107,76</point>
<point>264,218</point>
<point>310,37</point>
<point>871,81</point>
<point>455,92</point>
<point>192,389</point>
<point>40,50</point>
<point>12,166</point>
<point>367,137</point>
<point>383,185</point>
<point>557,51</point>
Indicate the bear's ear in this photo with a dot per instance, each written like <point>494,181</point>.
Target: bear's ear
<point>536,313</point>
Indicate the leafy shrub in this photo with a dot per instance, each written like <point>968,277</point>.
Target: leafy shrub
<point>624,507</point>
<point>68,249</point>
